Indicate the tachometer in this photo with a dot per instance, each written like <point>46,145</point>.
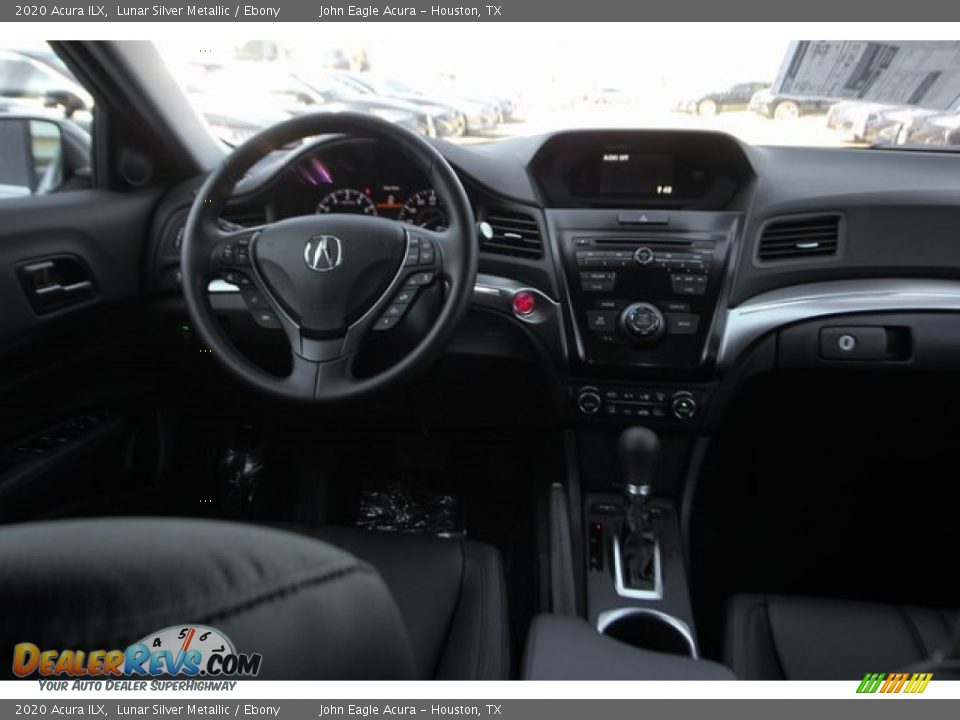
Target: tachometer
<point>425,210</point>
<point>347,200</point>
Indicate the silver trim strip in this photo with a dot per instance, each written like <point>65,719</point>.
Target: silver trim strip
<point>748,322</point>
<point>221,286</point>
<point>489,291</point>
<point>608,618</point>
<point>622,590</point>
<point>505,289</point>
<point>493,288</point>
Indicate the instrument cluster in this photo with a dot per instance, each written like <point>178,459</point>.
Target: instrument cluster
<point>359,177</point>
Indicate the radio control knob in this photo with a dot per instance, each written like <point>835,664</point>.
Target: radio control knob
<point>643,256</point>
<point>643,321</point>
<point>589,402</point>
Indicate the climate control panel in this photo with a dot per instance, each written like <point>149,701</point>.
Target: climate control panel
<point>676,404</point>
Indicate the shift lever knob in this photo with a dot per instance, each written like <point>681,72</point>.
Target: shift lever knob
<point>639,449</point>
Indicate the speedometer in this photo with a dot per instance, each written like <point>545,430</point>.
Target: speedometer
<point>347,200</point>
<point>425,210</point>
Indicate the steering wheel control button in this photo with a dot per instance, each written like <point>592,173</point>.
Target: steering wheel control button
<point>254,300</point>
<point>854,343</point>
<point>266,319</point>
<point>413,253</point>
<point>682,323</point>
<point>385,323</point>
<point>419,279</point>
<point>524,303</point>
<point>643,256</point>
<point>236,278</point>
<point>683,406</point>
<point>405,296</point>
<point>427,253</point>
<point>602,320</point>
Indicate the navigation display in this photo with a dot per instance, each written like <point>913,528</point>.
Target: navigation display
<point>627,172</point>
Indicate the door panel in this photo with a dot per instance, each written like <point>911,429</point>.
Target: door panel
<point>70,314</point>
<point>105,230</point>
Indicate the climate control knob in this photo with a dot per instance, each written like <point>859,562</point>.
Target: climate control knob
<point>588,401</point>
<point>683,406</point>
<point>642,321</point>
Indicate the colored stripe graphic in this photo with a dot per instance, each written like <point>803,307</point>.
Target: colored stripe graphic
<point>871,682</point>
<point>919,682</point>
<point>883,683</point>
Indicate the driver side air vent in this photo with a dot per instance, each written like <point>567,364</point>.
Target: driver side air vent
<point>803,237</point>
<point>514,233</point>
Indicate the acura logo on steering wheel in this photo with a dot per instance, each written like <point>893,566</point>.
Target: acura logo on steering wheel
<point>323,253</point>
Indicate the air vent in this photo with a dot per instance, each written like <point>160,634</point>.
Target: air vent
<point>514,233</point>
<point>806,237</point>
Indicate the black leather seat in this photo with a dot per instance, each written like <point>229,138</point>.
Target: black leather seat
<point>773,637</point>
<point>451,594</point>
<point>312,610</point>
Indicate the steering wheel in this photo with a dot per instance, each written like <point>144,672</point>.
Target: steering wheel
<point>330,279</point>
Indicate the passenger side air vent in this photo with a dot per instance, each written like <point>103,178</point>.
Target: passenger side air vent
<point>803,237</point>
<point>514,233</point>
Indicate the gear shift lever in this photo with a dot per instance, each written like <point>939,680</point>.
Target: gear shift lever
<point>639,450</point>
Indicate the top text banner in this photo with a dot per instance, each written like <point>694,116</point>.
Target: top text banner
<point>301,11</point>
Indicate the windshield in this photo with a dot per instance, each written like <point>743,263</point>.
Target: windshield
<point>765,91</point>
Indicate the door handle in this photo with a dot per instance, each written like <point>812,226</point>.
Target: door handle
<point>56,282</point>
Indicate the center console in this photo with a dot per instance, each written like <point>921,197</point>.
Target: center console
<point>643,286</point>
<point>643,227</point>
<point>642,231</point>
<point>639,621</point>
<point>643,289</point>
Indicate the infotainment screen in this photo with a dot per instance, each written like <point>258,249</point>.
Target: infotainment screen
<point>627,172</point>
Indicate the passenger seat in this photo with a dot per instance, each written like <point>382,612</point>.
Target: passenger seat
<point>777,637</point>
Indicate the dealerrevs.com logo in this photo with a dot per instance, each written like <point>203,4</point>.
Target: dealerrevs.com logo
<point>191,651</point>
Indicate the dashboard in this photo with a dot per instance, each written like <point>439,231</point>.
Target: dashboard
<point>658,261</point>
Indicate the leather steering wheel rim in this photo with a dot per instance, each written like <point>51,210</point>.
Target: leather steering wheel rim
<point>322,355</point>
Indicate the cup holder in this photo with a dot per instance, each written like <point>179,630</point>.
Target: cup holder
<point>649,630</point>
